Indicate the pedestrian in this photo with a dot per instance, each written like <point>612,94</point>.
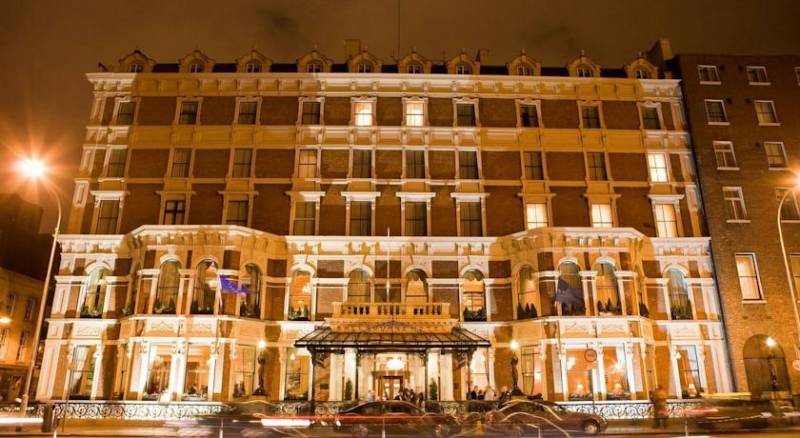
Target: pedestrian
<point>489,393</point>
<point>504,395</point>
<point>481,394</point>
<point>473,395</point>
<point>370,396</point>
<point>660,410</point>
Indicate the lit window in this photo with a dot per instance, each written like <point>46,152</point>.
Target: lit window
<point>305,214</point>
<point>463,69</point>
<point>584,71</point>
<point>537,215</point>
<point>116,163</point>
<point>415,164</point>
<point>414,68</point>
<point>776,154</point>
<point>174,212</point>
<point>757,74</point>
<point>790,211</point>
<point>533,165</point>
<point>252,67</point>
<point>765,111</point>
<point>465,114</point>
<point>247,112</point>
<point>107,217</point>
<point>468,165</point>
<point>314,67</point>
<point>723,152</point>
<point>94,294</point>
<point>125,112</point>
<point>590,116</point>
<point>415,114</point>
<point>596,164</point>
<point>311,113</point>
<point>529,116</point>
<point>715,111</point>
<point>365,67</point>
<point>708,74</point>
<point>734,203</point>
<point>748,276</point>
<point>470,219</point>
<point>601,216</point>
<point>360,218</point>
<point>524,70</point>
<point>362,163</point>
<point>666,222</point>
<point>237,213</point>
<point>650,118</point>
<point>188,114</point>
<point>242,161</point>
<point>180,163</point>
<point>359,287</point>
<point>364,111</point>
<point>416,219</point>
<point>657,164</point>
<point>307,163</point>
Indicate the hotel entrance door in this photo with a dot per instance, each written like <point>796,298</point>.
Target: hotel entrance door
<point>389,386</point>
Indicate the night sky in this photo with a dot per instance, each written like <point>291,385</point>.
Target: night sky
<point>47,46</point>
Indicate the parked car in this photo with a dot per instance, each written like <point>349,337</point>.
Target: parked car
<point>720,414</point>
<point>529,418</point>
<point>395,418</point>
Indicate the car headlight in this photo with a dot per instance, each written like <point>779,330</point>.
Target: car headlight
<point>766,414</point>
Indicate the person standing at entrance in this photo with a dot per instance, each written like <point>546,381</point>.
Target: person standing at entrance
<point>660,409</point>
<point>489,394</point>
<point>370,396</point>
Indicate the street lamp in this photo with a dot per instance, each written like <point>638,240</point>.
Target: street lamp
<point>4,320</point>
<point>787,269</point>
<point>34,169</point>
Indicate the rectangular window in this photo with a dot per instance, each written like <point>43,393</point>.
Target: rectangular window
<point>364,111</point>
<point>533,165</point>
<point>416,219</point>
<point>242,161</point>
<point>776,154</point>
<point>125,112</point>
<point>734,203</point>
<point>715,111</point>
<point>529,116</point>
<point>107,217</point>
<point>465,114</point>
<point>467,164</point>
<point>247,112</point>
<point>596,163</point>
<point>180,163</point>
<point>471,222</point>
<point>657,165</point>
<point>30,305</point>
<point>795,263</point>
<point>765,112</point>
<point>23,345</point>
<point>237,213</point>
<point>790,211</point>
<point>362,163</point>
<point>174,212</point>
<point>590,115</point>
<point>537,215</point>
<point>666,222</point>
<point>415,114</point>
<point>723,152</point>
<point>708,74</point>
<point>188,114</point>
<point>11,301</point>
<point>601,216</point>
<point>307,163</point>
<point>415,164</point>
<point>311,113</point>
<point>305,215</point>
<point>116,163</point>
<point>757,75</point>
<point>650,119</point>
<point>360,218</point>
<point>3,340</point>
<point>749,282</point>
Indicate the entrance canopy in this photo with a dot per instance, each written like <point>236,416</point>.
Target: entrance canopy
<point>391,336</point>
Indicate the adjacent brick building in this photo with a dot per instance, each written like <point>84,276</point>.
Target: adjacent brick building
<point>489,206</point>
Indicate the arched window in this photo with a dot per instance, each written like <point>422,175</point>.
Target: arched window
<point>359,288</point>
<point>300,296</point>
<point>569,290</point>
<point>526,293</point>
<point>473,296</point>
<point>765,365</point>
<point>524,69</point>
<point>679,303</point>
<point>251,302</point>
<point>252,67</point>
<point>416,287</point>
<point>608,301</point>
<point>94,294</point>
<point>463,69</point>
<point>365,67</point>
<point>169,278</point>
<point>584,71</point>
<point>205,288</point>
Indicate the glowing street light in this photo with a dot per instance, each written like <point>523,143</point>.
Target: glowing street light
<point>771,342</point>
<point>4,320</point>
<point>32,168</point>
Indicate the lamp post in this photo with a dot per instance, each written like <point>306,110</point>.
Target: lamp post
<point>35,169</point>
<point>787,268</point>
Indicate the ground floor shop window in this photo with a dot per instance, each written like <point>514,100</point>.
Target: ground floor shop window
<point>158,376</point>
<point>244,372</point>
<point>198,361</point>
<point>688,371</point>
<point>297,367</point>
<point>479,371</point>
<point>580,376</point>
<point>616,373</point>
<point>82,372</point>
<point>532,366</point>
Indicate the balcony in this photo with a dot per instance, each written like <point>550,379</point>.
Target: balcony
<point>383,311</point>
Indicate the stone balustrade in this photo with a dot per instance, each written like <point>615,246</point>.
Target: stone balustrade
<point>391,310</point>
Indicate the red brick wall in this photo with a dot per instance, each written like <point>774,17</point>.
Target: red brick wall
<point>156,110</point>
<point>565,166</point>
<point>635,210</point>
<point>217,110</point>
<point>337,111</point>
<point>334,163</point>
<point>387,211</point>
<point>503,210</point>
<point>499,113</point>
<point>274,163</point>
<point>569,207</point>
<point>440,112</point>
<point>618,114</point>
<point>442,164</point>
<point>500,165</point>
<point>271,208</point>
<point>390,111</point>
<point>628,166</point>
<point>210,163</point>
<point>562,114</point>
<point>148,163</point>
<point>388,164</point>
<point>206,204</point>
<point>443,213</point>
<point>332,212</point>
<point>141,206</point>
<point>279,110</point>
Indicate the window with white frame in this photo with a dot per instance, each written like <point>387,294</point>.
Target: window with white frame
<point>305,216</point>
<point>471,219</point>
<point>180,162</point>
<point>242,162</point>
<point>174,211</point>
<point>790,211</point>
<point>362,163</point>
<point>666,220</point>
<point>307,163</point>
<point>601,216</point>
<point>765,112</point>
<point>467,164</point>
<point>734,204</point>
<point>248,109</point>
<point>536,215</point>
<point>657,166</point>
<point>533,165</point>
<point>641,73</point>
<point>749,282</point>
<point>708,74</point>
<point>107,216</point>
<point>188,112</point>
<point>311,111</point>
<point>365,67</point>
<point>524,69</point>
<point>463,69</point>
<point>125,112</point>
<point>415,164</point>
<point>584,71</point>
<point>596,164</point>
<point>776,154</point>
<point>116,163</point>
<point>590,116</point>
<point>360,218</point>
<point>465,114</point>
<point>725,156</point>
<point>415,113</point>
<point>364,111</point>
<point>237,212</point>
<point>30,305</point>
<point>715,111</point>
<point>314,67</point>
<point>528,115</point>
<point>757,74</point>
<point>416,219</point>
<point>650,117</point>
<point>414,68</point>
<point>252,67</point>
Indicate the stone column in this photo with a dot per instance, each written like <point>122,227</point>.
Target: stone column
<point>144,369</point>
<point>336,391</point>
<point>589,292</point>
<point>600,373</point>
<point>433,372</point>
<point>177,370</point>
<point>676,379</point>
<point>96,370</point>
<point>214,371</point>
<point>490,364</point>
<point>701,363</point>
<point>562,358</point>
<point>446,377</point>
<point>629,369</point>
<point>349,370</point>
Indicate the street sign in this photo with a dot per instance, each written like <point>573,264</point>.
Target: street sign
<point>796,365</point>
<point>590,355</point>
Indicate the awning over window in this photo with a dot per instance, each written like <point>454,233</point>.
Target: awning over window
<point>391,336</point>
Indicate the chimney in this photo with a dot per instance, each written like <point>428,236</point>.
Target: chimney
<point>352,47</point>
<point>660,53</point>
<point>483,56</point>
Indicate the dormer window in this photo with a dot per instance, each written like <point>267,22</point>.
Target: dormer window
<point>641,73</point>
<point>463,69</point>
<point>584,71</point>
<point>196,67</point>
<point>314,67</point>
<point>524,70</point>
<point>364,67</point>
<point>414,68</point>
<point>136,68</point>
<point>252,67</point>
